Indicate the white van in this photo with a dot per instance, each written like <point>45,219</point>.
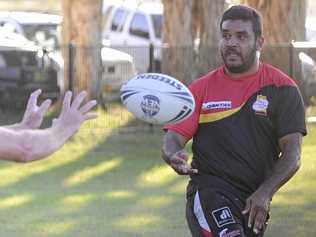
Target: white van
<point>133,30</point>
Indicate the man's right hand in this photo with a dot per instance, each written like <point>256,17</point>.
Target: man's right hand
<point>179,162</point>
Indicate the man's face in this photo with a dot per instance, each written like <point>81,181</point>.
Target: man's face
<point>238,45</point>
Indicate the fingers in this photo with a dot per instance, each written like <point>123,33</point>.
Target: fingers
<point>66,102</point>
<point>44,106</point>
<point>247,207</point>
<point>178,162</point>
<point>55,120</point>
<point>259,221</point>
<point>90,116</point>
<point>181,167</point>
<point>78,100</point>
<point>257,216</point>
<point>88,106</point>
<point>252,215</point>
<point>33,99</point>
<point>182,154</point>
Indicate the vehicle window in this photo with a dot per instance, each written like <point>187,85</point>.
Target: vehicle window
<point>106,15</point>
<point>139,26</point>
<point>50,30</point>
<point>118,20</point>
<point>157,23</point>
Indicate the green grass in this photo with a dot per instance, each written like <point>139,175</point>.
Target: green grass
<point>294,206</point>
<point>109,180</point>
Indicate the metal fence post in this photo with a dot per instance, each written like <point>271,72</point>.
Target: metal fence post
<point>71,66</point>
<point>151,67</point>
<point>291,58</point>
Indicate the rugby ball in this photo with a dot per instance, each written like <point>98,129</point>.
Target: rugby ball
<point>157,98</point>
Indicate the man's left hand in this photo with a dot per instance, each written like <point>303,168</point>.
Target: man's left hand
<point>257,206</point>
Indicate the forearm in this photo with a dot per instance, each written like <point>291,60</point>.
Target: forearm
<point>286,166</point>
<point>42,143</point>
<point>172,143</point>
<point>29,145</point>
<point>283,171</point>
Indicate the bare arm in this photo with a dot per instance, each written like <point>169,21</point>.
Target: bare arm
<point>258,203</point>
<point>287,165</point>
<point>173,153</point>
<point>29,145</point>
<point>33,144</point>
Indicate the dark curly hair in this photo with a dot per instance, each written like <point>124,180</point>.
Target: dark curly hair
<point>245,13</point>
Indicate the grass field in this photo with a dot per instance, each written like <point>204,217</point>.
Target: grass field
<point>109,180</point>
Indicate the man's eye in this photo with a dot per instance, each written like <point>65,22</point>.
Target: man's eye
<point>226,36</point>
<point>242,37</point>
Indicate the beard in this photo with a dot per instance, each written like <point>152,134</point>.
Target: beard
<point>246,63</point>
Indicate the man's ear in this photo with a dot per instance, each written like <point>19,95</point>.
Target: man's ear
<point>259,43</point>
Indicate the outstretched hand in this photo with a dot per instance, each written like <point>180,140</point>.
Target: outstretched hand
<point>73,114</point>
<point>34,114</point>
<point>179,162</point>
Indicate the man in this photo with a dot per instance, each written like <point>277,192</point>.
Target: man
<point>247,131</point>
<point>25,142</point>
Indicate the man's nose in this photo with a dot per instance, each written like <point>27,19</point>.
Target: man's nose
<point>232,41</point>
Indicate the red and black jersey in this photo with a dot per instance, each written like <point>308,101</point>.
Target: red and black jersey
<point>237,123</point>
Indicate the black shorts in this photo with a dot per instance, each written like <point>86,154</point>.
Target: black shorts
<point>213,212</point>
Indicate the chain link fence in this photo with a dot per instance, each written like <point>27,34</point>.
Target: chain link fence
<point>23,71</point>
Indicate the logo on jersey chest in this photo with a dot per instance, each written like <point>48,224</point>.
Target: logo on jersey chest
<point>225,104</point>
<point>261,104</point>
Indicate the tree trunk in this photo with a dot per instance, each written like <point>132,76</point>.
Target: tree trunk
<point>185,21</point>
<point>82,29</point>
<point>209,14</point>
<point>283,21</point>
<point>178,57</point>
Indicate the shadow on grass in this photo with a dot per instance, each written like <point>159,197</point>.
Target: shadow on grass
<point>112,182</point>
<point>118,186</point>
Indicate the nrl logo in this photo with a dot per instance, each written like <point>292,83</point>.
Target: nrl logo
<point>261,104</point>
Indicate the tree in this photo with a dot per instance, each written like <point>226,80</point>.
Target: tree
<point>284,20</point>
<point>82,29</point>
<point>178,35</point>
<point>185,21</point>
<point>207,16</point>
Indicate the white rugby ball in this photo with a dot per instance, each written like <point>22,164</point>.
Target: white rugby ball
<point>157,98</point>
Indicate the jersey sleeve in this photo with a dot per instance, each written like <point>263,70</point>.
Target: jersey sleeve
<point>188,127</point>
<point>290,112</point>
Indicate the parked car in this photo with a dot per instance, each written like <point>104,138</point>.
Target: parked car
<point>41,28</point>
<point>310,28</point>
<point>117,66</point>
<point>24,67</point>
<point>133,30</point>
<point>308,83</point>
<point>304,69</point>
